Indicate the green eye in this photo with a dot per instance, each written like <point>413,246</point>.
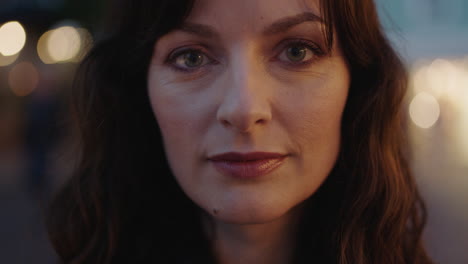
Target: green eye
<point>296,53</point>
<point>190,59</point>
<point>299,52</point>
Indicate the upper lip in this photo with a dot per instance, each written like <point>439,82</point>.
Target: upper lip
<point>237,156</point>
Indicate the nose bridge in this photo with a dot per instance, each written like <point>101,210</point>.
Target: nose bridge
<point>245,78</point>
<point>245,103</point>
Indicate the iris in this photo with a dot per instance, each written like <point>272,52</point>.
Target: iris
<point>296,53</point>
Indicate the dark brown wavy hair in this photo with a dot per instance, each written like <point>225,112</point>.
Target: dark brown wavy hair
<point>122,204</point>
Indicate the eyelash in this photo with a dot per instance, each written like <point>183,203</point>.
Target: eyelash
<point>317,52</point>
<point>311,46</point>
<point>172,58</point>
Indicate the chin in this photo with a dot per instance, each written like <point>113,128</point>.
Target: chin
<point>246,218</point>
<point>244,213</point>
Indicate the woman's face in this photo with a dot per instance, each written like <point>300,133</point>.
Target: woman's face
<point>251,79</point>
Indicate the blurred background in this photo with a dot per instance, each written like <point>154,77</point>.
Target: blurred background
<point>42,41</point>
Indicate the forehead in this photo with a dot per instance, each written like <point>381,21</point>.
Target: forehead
<point>247,15</point>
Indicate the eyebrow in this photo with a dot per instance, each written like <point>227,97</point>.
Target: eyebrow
<point>276,27</point>
<point>289,22</point>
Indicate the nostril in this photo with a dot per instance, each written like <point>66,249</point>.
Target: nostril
<point>225,123</point>
<point>260,121</point>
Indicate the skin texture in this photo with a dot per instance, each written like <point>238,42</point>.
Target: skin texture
<point>246,96</point>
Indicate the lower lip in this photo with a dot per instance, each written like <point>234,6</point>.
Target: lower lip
<point>248,169</point>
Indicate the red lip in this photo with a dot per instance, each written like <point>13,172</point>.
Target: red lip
<point>236,156</point>
<point>247,165</point>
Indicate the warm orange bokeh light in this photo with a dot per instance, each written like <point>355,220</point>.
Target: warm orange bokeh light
<point>23,78</point>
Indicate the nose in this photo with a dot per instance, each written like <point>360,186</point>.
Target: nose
<point>246,103</point>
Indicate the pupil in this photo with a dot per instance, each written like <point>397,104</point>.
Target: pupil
<point>193,59</point>
<point>296,53</point>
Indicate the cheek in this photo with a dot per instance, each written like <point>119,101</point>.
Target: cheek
<point>312,115</point>
<point>173,117</point>
<point>178,109</point>
<point>313,111</point>
<point>184,113</point>
<point>176,116</point>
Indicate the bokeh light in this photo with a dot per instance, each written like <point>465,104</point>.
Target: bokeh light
<point>424,110</point>
<point>23,78</point>
<point>7,60</point>
<point>42,48</point>
<point>441,88</point>
<point>441,78</point>
<point>64,44</point>
<point>12,38</point>
<point>87,42</point>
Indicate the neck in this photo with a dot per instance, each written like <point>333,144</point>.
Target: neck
<point>262,243</point>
